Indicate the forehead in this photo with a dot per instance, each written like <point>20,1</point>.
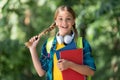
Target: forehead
<point>64,13</point>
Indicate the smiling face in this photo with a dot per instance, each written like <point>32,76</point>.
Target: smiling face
<point>65,21</point>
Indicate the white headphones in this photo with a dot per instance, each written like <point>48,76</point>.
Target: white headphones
<point>66,39</point>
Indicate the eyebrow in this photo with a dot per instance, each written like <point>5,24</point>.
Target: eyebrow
<point>67,16</point>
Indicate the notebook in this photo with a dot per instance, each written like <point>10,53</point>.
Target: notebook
<point>75,55</point>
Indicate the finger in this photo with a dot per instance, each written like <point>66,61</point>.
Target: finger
<point>61,69</point>
<point>60,60</point>
<point>31,39</point>
<point>36,37</point>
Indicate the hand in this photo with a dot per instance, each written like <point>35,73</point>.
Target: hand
<point>63,64</point>
<point>34,40</point>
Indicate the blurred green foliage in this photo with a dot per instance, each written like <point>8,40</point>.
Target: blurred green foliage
<point>97,20</point>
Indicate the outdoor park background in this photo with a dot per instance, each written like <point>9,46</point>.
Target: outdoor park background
<point>97,20</point>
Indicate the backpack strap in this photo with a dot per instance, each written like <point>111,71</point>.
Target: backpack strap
<point>80,45</point>
<point>79,42</point>
<point>50,41</point>
<point>49,44</point>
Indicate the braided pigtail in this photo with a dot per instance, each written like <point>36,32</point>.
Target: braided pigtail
<point>52,26</point>
<point>76,32</point>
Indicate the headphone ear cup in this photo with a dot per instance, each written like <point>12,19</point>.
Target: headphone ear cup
<point>59,39</point>
<point>68,39</point>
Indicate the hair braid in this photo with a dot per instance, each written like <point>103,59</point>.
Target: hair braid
<point>75,30</point>
<point>52,26</point>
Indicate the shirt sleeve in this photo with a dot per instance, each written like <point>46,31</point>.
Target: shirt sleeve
<point>44,58</point>
<point>88,59</point>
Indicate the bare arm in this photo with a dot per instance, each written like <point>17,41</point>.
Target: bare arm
<point>36,62</point>
<point>35,58</point>
<point>83,69</point>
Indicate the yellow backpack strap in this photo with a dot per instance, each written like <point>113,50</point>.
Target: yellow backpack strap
<point>89,78</point>
<point>79,42</point>
<point>49,44</point>
<point>80,45</point>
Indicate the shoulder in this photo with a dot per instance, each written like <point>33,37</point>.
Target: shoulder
<point>86,45</point>
<point>50,39</point>
<point>85,42</point>
<point>50,42</point>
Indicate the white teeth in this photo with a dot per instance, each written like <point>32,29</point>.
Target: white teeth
<point>64,27</point>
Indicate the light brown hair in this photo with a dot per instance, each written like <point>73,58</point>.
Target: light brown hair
<point>63,8</point>
<point>53,25</point>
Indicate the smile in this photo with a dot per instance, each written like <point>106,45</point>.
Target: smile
<point>64,27</point>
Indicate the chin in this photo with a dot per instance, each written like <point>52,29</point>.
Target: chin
<point>63,32</point>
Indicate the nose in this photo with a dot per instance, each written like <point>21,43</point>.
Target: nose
<point>64,23</point>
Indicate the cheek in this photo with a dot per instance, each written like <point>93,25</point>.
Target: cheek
<point>57,23</point>
<point>73,22</point>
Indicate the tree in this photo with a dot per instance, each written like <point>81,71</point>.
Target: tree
<point>98,21</point>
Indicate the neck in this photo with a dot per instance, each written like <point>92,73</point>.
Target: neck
<point>61,34</point>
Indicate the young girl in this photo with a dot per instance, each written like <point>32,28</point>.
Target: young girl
<point>50,62</point>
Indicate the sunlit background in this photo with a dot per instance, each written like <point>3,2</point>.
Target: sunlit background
<point>96,20</point>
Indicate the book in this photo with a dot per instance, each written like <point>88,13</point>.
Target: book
<point>76,56</point>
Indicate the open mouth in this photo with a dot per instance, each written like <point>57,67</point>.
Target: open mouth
<point>64,27</point>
